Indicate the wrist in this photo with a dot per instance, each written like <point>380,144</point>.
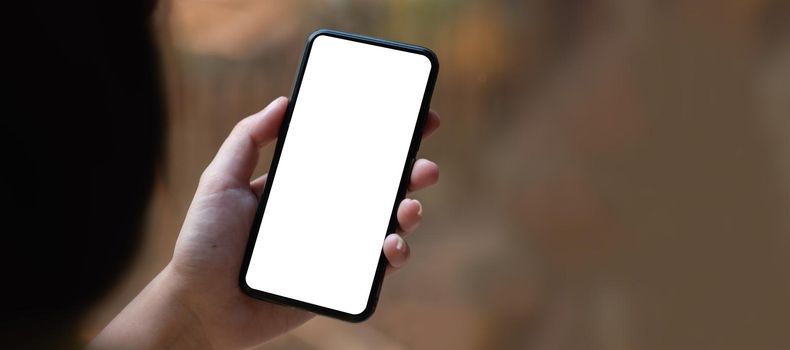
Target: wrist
<point>186,323</point>
<point>159,317</point>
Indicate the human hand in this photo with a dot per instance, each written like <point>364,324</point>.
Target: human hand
<point>196,300</point>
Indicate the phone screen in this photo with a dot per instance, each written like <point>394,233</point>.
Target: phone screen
<point>338,174</point>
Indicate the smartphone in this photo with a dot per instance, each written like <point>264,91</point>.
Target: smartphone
<point>341,167</point>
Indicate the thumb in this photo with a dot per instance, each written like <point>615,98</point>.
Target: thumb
<point>235,161</point>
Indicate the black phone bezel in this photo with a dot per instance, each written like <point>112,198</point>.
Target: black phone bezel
<point>405,176</point>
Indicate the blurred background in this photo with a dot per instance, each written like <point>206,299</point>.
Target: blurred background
<point>615,174</point>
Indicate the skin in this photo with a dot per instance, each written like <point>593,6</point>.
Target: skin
<point>195,301</point>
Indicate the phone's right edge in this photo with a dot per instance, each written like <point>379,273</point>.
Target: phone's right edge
<point>414,147</point>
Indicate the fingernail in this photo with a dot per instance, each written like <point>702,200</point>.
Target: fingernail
<point>419,205</point>
<point>399,244</point>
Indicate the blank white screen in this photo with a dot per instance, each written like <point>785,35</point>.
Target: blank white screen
<point>338,175</point>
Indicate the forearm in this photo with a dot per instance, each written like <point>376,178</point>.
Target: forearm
<point>157,318</point>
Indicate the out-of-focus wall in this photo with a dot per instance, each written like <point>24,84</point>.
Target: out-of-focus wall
<point>614,173</point>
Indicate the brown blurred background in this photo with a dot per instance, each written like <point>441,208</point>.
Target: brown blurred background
<point>615,174</point>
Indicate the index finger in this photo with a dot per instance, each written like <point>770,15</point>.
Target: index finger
<point>431,124</point>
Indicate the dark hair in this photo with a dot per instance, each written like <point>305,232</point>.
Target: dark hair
<point>81,131</point>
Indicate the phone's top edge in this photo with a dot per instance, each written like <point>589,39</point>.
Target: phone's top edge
<point>421,50</point>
